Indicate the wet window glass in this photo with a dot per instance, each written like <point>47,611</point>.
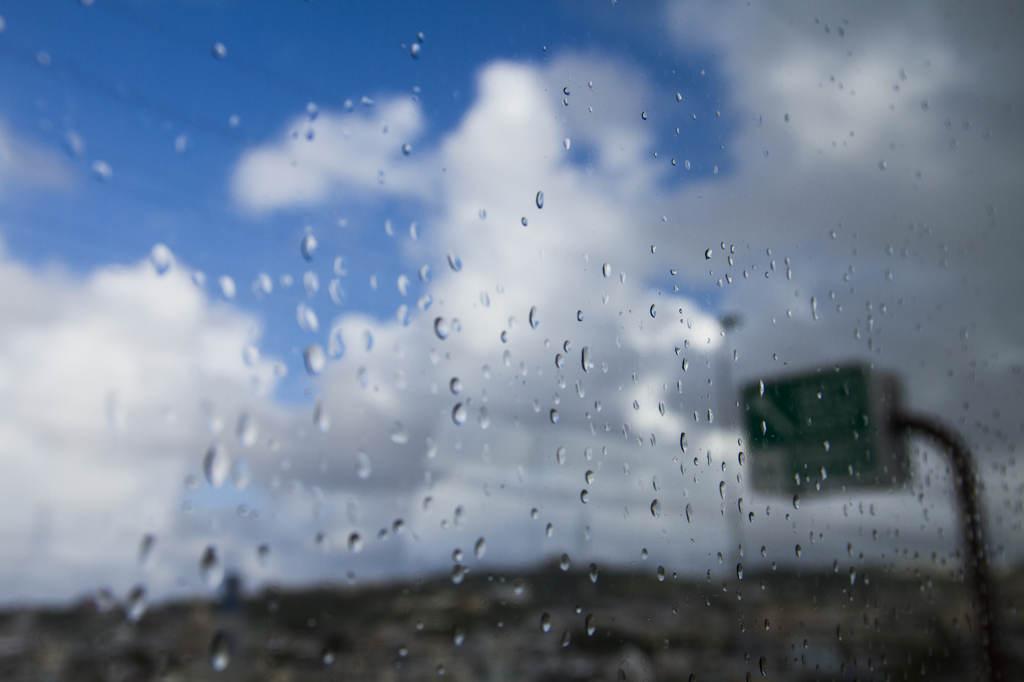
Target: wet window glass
<point>657,341</point>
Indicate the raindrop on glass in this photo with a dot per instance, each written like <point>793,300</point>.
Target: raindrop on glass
<point>308,246</point>
<point>216,465</point>
<point>315,359</point>
<point>211,570</point>
<point>220,651</point>
<point>363,465</point>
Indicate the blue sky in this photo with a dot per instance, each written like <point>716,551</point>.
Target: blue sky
<point>128,78</point>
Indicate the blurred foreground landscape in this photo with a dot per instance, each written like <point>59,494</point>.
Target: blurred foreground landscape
<point>548,625</point>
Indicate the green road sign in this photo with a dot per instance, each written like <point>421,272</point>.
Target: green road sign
<point>823,431</point>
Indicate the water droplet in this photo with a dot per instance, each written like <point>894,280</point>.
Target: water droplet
<point>455,385</point>
<point>363,465</point>
<point>559,360</point>
<point>216,465</point>
<point>708,254</point>
<point>146,548</point>
<point>398,434</point>
<point>585,360</point>
<point>534,320</point>
<point>589,476</point>
<point>689,511</point>
<point>763,665</point>
<point>593,573</point>
<point>739,571</point>
<point>606,270</point>
<point>414,51</point>
<point>227,287</point>
<point>549,530</point>
<point>564,563</point>
<point>246,430</point>
<point>480,548</point>
<point>545,623</point>
<point>135,605</point>
<point>554,416</point>
<point>441,328</point>
<point>315,359</point>
<point>661,408</point>
<point>221,648</point>
<point>161,258</point>
<point>321,418</point>
<point>566,639</point>
<point>219,51</point>
<point>682,441</point>
<point>882,165</point>
<point>454,262</point>
<point>518,587</point>
<point>654,310</point>
<point>644,554</point>
<point>458,635</point>
<point>799,551</point>
<point>540,199</point>
<point>308,246</point>
<point>796,502</point>
<point>686,164</point>
<point>686,364</point>
<point>211,570</point>
<point>579,315</point>
<point>584,496</point>
<point>655,509</point>
<point>459,414</point>
<point>643,115</point>
<point>721,489</point>
<point>327,655</point>
<point>566,142</point>
<point>661,574</point>
<point>355,543</point>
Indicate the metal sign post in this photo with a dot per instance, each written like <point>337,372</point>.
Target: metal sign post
<point>843,429</point>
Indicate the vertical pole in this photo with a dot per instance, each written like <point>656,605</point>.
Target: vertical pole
<point>965,481</point>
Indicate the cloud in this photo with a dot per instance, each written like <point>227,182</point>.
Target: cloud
<point>332,154</point>
<point>101,384</point>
